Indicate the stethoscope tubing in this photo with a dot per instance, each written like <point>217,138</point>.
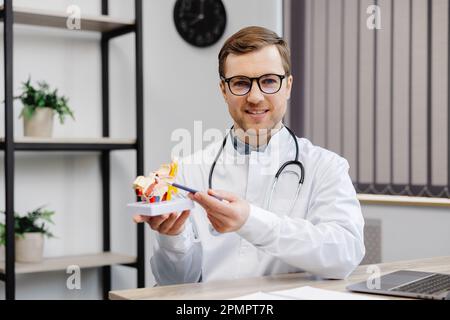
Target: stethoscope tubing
<point>277,175</point>
<point>280,170</point>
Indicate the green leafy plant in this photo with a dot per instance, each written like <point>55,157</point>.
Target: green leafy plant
<point>40,97</point>
<point>34,221</point>
<point>2,234</point>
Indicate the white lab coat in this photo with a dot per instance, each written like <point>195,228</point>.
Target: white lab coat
<point>323,235</point>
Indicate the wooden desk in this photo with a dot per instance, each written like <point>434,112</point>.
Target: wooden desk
<point>233,288</point>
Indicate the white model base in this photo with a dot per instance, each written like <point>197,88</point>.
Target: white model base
<point>159,208</point>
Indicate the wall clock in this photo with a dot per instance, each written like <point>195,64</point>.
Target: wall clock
<point>201,23</point>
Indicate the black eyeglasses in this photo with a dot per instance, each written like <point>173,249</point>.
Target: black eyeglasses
<point>267,83</point>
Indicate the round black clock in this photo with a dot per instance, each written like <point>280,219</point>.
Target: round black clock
<point>200,22</point>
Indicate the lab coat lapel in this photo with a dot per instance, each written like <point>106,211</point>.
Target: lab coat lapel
<point>264,165</point>
<point>230,173</point>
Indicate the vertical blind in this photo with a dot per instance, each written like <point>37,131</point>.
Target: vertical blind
<point>378,97</point>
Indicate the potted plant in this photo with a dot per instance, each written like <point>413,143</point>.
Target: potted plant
<point>39,107</point>
<point>30,230</point>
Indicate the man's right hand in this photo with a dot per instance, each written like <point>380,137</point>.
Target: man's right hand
<point>169,224</point>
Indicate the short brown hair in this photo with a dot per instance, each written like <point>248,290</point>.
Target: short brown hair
<point>252,39</point>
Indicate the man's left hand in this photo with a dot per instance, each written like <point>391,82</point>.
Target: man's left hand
<point>225,216</point>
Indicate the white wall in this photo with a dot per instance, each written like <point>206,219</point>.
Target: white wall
<point>179,80</point>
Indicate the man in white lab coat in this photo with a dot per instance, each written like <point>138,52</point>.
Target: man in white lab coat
<point>319,231</point>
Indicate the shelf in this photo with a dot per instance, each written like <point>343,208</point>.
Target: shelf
<point>70,144</point>
<point>83,261</point>
<point>46,18</point>
<point>109,28</point>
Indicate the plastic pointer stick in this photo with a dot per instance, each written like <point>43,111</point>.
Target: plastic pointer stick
<point>176,185</point>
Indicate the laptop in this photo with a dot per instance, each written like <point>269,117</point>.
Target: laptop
<point>411,284</point>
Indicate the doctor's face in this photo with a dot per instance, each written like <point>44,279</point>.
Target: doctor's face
<point>256,110</point>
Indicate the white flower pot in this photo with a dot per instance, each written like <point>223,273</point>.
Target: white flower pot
<point>30,248</point>
<point>40,124</point>
<point>2,253</point>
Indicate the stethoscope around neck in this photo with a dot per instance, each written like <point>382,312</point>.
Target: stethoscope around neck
<point>282,170</point>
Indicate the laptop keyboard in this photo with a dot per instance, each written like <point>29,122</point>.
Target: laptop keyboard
<point>432,284</point>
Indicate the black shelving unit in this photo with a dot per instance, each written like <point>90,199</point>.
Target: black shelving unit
<point>109,28</point>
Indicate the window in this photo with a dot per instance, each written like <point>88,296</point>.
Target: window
<point>378,97</point>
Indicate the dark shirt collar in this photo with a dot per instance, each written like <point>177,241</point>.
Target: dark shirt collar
<point>244,148</point>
